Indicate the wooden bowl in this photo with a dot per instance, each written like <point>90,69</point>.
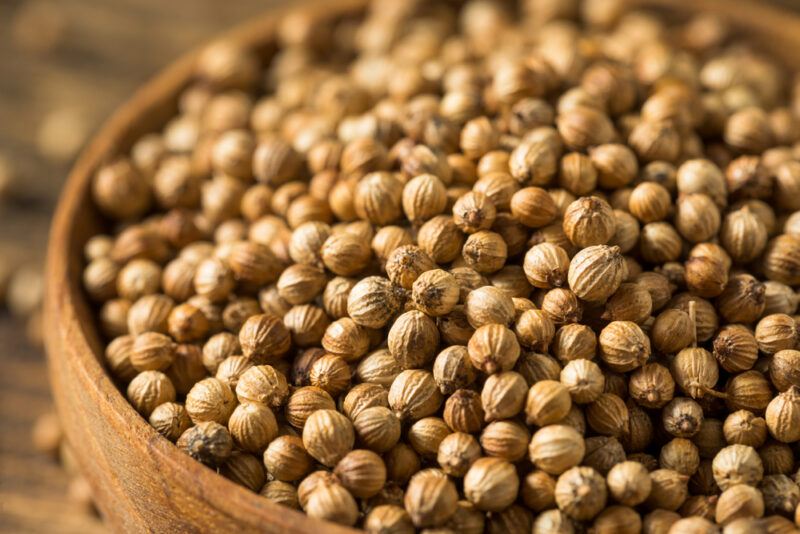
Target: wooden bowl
<point>141,481</point>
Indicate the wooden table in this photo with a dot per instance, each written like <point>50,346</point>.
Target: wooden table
<point>50,100</point>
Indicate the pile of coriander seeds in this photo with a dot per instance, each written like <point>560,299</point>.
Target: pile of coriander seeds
<point>472,267</point>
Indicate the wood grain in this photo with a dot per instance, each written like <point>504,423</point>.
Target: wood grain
<point>107,51</point>
<point>141,481</point>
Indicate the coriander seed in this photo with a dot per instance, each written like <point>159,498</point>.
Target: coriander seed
<point>430,499</point>
<point>581,493</point>
<point>207,442</point>
<point>491,484</point>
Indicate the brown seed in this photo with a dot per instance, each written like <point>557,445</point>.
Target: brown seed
<point>332,503</point>
<point>583,379</point>
<point>207,442</point>
<point>608,415</point>
<point>328,436</point>
<point>657,285</point>
<point>474,212</point>
<point>264,384</point>
<point>630,302</point>
<point>616,165</point>
<point>377,428</point>
<point>546,266</point>
<point>152,351</point>
<point>463,411</point>
<point>457,451</point>
<point>138,278</point>
<point>405,264</point>
<point>346,339</point>
<point>617,519</point>
<point>435,292</point>
<point>748,130</point>
<point>781,261</point>
<point>187,323</point>
<point>695,371</point>
<point>117,358</point>
<point>426,435</point>
<point>668,489</point>
<point>581,493</point>
<point>488,305</point>
<point>574,341</point>
<point>742,427</point>
<point>777,332</point>
<point>373,301</point>
<point>453,370</point>
<point>743,235</point>
<point>651,386</point>
<point>655,140</point>
<point>440,238</point>
<point>493,348</point>
<point>150,389</point>
<point>783,369</point>
<point>659,243</point>
<point>697,218</point>
<point>547,402</point>
<point>629,483</point>
<point>423,197</point>
<point>783,415</point>
<point>301,284</point>
<point>672,331</point>
<point>430,499</point>
<point>305,401</point>
<point>596,272</point>
<point>486,252</point>
<point>505,439</point>
<point>562,306</point>
<point>401,464</point>
<point>583,127</point>
<point>414,395</point>
<point>119,191</point>
<point>491,484</point>
<point>680,455</point>
<point>623,346</point>
<point>533,207</point>
<point>413,339</point>
<point>264,337</point>
<point>737,464</point>
<point>170,420</point>
<point>650,202</point>
<point>150,313</point>
<point>749,390</point>
<point>556,448</point>
<point>742,300</point>
<point>363,396</point>
<point>589,221</point>
<point>707,270</point>
<point>231,369</point>
<point>361,472</point>
<point>388,518</point>
<point>538,491</point>
<point>534,329</point>
<point>345,254</point>
<point>286,458</point>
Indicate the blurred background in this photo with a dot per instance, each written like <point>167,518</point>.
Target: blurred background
<point>65,65</point>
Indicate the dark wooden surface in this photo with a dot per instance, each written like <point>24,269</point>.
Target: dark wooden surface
<point>51,98</point>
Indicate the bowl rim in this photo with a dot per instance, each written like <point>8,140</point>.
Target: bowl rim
<point>66,305</point>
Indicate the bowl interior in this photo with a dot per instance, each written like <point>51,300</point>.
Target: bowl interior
<point>68,310</point>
